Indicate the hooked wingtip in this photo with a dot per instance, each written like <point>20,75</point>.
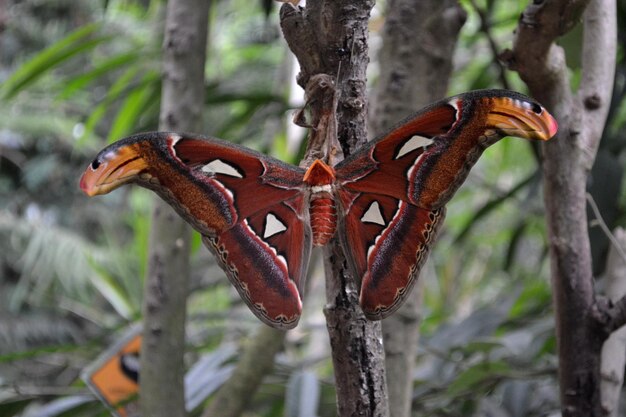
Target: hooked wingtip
<point>113,167</point>
<point>86,186</point>
<point>553,126</point>
<point>522,117</point>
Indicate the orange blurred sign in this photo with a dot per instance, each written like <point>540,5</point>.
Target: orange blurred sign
<point>114,377</point>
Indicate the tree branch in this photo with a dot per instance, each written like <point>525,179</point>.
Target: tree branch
<point>568,158</point>
<point>538,60</point>
<point>609,315</point>
<point>329,37</point>
<point>614,349</point>
<point>598,72</point>
<point>540,25</point>
<point>256,361</point>
<point>165,291</point>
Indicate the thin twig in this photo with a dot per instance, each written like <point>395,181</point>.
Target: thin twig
<point>600,222</point>
<point>485,27</point>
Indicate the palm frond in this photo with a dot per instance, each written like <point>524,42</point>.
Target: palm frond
<point>53,260</point>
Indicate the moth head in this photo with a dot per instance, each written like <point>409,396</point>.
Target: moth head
<point>521,117</point>
<point>113,167</point>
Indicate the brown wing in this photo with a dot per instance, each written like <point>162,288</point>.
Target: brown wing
<point>393,190</point>
<point>248,206</point>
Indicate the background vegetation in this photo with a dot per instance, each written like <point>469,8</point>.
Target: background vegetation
<point>77,75</point>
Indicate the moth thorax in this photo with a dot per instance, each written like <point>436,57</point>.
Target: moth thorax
<point>323,214</point>
<point>323,218</point>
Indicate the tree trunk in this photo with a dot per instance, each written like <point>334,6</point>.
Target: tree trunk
<point>582,324</point>
<point>257,360</point>
<point>166,283</point>
<point>329,39</point>
<point>614,349</point>
<point>419,39</point>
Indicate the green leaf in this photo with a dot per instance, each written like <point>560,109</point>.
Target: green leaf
<point>14,406</point>
<point>75,43</point>
<point>482,346</point>
<point>40,351</point>
<point>470,379</point>
<point>112,291</point>
<point>140,219</point>
<point>132,108</point>
<point>492,205</point>
<point>118,88</point>
<point>534,299</point>
<point>196,242</point>
<point>517,233</point>
<point>105,67</point>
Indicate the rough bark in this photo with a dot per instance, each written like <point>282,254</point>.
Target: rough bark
<point>419,39</point>
<point>166,284</point>
<point>256,361</point>
<point>329,37</point>
<point>581,322</point>
<point>614,349</point>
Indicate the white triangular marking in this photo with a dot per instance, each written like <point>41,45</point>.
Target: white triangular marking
<point>220,167</point>
<point>373,215</point>
<point>273,226</point>
<point>412,144</point>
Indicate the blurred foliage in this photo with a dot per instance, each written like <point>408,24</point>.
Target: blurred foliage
<point>77,75</point>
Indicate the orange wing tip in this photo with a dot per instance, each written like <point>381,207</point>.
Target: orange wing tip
<point>522,118</point>
<point>553,126</point>
<point>86,185</point>
<point>112,169</point>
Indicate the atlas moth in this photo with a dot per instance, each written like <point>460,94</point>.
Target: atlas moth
<point>385,202</point>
